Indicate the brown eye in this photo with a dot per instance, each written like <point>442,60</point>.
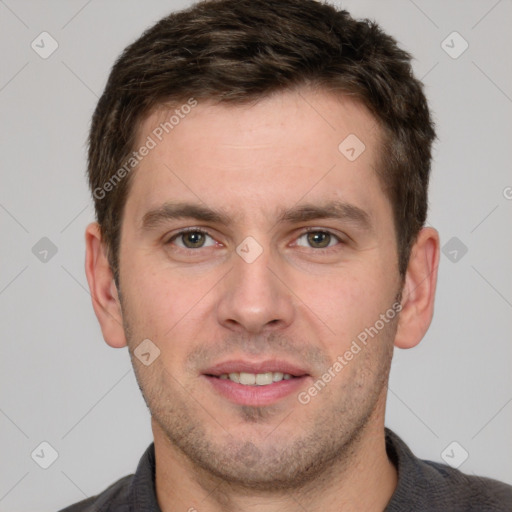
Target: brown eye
<point>318,239</point>
<point>192,239</point>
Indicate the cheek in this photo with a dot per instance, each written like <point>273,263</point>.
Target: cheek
<point>162,301</point>
<point>347,303</point>
<point>145,296</point>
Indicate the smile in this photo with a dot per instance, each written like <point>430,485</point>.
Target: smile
<point>256,379</point>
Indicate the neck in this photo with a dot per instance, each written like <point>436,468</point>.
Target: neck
<point>364,480</point>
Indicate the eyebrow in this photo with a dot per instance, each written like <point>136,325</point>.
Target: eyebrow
<point>170,211</point>
<point>337,210</point>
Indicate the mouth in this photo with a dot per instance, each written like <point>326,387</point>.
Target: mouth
<point>256,379</point>
<point>255,384</point>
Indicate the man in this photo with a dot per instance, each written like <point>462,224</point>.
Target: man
<point>260,174</point>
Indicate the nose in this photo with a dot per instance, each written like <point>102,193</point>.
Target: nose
<point>254,295</point>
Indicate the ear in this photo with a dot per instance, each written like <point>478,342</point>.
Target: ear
<point>105,299</point>
<point>419,290</point>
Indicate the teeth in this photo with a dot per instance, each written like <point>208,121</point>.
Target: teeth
<point>277,376</point>
<point>256,379</point>
<point>263,379</point>
<point>247,378</point>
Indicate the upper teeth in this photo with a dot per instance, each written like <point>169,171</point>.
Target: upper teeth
<point>256,379</point>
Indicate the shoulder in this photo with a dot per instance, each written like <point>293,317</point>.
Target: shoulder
<point>133,492</point>
<point>431,486</point>
<point>114,498</point>
<point>468,492</point>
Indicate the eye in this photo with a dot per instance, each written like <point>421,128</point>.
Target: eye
<point>318,239</point>
<point>193,238</point>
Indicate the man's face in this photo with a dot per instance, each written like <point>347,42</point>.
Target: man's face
<point>283,300</point>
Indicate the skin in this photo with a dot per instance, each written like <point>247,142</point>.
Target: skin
<point>298,301</point>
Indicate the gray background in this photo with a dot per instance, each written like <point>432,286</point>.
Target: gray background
<point>60,382</point>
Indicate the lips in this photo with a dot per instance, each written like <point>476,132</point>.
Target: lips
<point>267,366</point>
<point>257,384</point>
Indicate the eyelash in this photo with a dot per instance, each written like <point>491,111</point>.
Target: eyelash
<point>305,232</point>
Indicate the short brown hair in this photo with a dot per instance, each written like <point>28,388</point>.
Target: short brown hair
<point>240,51</point>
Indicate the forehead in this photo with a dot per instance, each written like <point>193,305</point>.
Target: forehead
<point>252,160</point>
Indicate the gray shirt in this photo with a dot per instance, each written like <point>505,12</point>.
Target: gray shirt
<point>423,486</point>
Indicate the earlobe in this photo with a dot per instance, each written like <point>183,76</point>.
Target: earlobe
<point>419,290</point>
<point>105,299</point>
